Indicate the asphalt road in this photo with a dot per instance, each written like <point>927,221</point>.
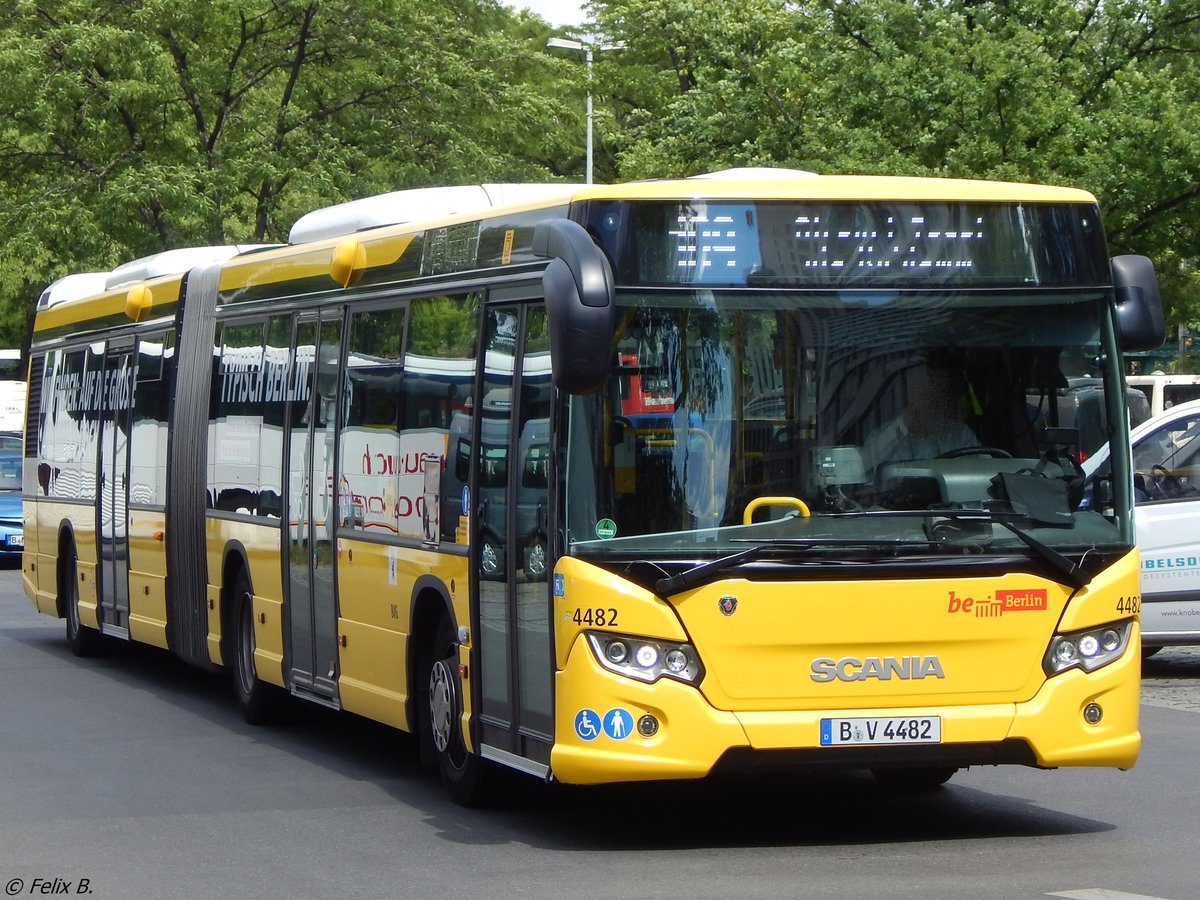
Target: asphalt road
<point>131,775</point>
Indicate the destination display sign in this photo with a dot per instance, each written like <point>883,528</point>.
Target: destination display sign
<point>853,244</point>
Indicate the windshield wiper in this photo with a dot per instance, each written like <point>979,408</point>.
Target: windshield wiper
<point>706,572</point>
<point>1073,573</point>
<point>698,575</point>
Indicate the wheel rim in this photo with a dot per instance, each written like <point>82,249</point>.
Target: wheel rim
<point>72,604</point>
<point>442,704</point>
<point>72,617</point>
<point>246,674</point>
<point>489,559</point>
<point>537,561</point>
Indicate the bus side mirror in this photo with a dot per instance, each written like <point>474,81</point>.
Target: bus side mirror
<point>1140,323</point>
<point>581,308</point>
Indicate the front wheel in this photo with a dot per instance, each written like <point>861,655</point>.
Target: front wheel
<point>464,774</point>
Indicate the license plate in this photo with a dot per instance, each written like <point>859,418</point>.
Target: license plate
<point>881,730</point>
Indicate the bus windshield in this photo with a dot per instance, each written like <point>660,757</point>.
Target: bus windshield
<point>914,420</point>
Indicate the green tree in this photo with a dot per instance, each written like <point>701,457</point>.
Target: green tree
<point>141,125</point>
<point>1099,95</point>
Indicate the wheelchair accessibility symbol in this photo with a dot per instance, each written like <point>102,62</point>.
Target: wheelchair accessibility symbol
<point>616,724</point>
<point>587,725</point>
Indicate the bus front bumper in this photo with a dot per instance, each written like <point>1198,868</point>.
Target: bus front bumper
<point>602,723</point>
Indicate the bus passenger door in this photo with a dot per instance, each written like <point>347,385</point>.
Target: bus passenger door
<point>509,544</point>
<point>312,506</point>
<point>112,488</point>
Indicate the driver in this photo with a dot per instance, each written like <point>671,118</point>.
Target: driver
<point>931,423</point>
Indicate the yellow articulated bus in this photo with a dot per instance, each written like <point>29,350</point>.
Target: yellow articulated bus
<point>754,471</point>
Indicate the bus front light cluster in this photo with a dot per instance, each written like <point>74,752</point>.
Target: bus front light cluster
<point>645,659</point>
<point>1088,650</point>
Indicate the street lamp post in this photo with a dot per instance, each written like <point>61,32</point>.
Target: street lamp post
<point>588,51</point>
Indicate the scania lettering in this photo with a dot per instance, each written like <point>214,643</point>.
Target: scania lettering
<point>851,669</point>
<point>617,483</point>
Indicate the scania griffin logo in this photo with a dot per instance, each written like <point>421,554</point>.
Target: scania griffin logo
<point>885,668</point>
<point>727,605</point>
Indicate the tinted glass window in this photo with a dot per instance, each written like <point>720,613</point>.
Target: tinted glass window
<point>371,439</point>
<point>148,441</point>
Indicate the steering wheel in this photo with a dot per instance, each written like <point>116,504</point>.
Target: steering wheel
<point>1166,484</point>
<point>995,452</point>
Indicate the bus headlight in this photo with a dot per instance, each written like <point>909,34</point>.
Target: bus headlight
<point>645,659</point>
<point>1088,650</point>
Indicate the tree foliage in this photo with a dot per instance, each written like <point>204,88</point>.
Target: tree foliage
<point>131,126</point>
<point>134,126</point>
<point>1099,94</point>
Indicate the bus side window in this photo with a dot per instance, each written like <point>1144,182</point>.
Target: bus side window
<point>436,413</point>
<point>236,420</point>
<point>371,444</point>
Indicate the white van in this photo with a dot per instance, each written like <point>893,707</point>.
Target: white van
<point>1166,462</point>
<point>1164,391</point>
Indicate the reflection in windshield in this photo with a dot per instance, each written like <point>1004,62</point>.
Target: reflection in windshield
<point>846,403</point>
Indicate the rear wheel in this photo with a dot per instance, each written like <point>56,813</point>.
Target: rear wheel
<point>255,697</point>
<point>82,640</point>
<point>465,775</point>
<point>921,778</point>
